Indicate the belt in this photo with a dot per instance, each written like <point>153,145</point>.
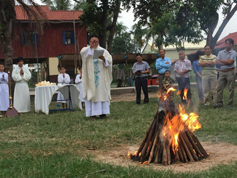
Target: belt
<point>227,70</point>
<point>142,77</point>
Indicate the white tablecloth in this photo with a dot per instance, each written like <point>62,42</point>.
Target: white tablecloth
<point>44,95</point>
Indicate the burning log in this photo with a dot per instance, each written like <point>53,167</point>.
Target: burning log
<point>170,137</point>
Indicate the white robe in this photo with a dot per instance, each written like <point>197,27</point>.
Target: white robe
<point>97,77</point>
<point>21,92</point>
<point>4,92</point>
<point>78,82</point>
<point>62,81</point>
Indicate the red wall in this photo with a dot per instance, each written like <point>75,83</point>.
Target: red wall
<point>50,43</point>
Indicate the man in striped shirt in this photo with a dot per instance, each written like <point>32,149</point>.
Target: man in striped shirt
<point>209,74</point>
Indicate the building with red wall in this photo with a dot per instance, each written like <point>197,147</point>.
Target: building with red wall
<point>57,38</point>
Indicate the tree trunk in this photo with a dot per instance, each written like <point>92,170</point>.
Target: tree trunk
<point>7,46</point>
<point>104,24</point>
<point>8,53</point>
<point>211,29</point>
<point>224,23</point>
<point>113,26</point>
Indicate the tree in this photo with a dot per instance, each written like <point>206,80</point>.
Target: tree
<point>139,34</point>
<point>177,21</point>
<point>207,16</point>
<point>101,17</point>
<point>8,22</point>
<point>123,42</point>
<point>120,29</point>
<point>58,4</point>
<point>143,34</point>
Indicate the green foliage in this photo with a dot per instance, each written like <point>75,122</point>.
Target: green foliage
<point>124,44</point>
<point>58,4</point>
<point>176,21</point>
<point>92,17</point>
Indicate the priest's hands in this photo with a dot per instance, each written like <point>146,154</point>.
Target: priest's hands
<point>63,75</point>
<point>102,58</point>
<point>22,71</point>
<point>2,75</point>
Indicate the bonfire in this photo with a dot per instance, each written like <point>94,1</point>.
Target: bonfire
<point>170,137</point>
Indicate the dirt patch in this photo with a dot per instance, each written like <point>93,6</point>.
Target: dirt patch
<point>218,154</point>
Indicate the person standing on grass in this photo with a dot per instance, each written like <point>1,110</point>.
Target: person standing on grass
<point>226,59</point>
<point>167,81</point>
<point>96,80</point>
<point>78,82</point>
<point>21,75</point>
<point>120,75</point>
<point>63,79</point>
<point>141,69</point>
<point>182,70</point>
<point>162,64</point>
<point>4,91</point>
<point>198,75</point>
<point>209,74</point>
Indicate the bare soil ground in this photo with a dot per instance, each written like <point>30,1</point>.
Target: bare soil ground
<point>219,153</point>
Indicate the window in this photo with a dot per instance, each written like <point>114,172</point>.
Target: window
<point>68,37</point>
<point>29,38</point>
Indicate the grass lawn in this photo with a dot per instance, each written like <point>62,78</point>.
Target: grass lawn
<point>56,145</point>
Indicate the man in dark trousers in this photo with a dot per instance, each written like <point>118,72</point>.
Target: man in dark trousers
<point>226,59</point>
<point>140,70</point>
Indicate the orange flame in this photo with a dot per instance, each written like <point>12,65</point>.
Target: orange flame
<point>174,126</point>
<point>166,94</point>
<point>129,154</point>
<point>170,89</point>
<point>185,94</point>
<point>178,93</point>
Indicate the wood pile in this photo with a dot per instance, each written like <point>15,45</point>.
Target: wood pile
<point>161,146</point>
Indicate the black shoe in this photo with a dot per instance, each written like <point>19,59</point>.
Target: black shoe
<point>103,116</point>
<point>146,102</point>
<point>216,105</point>
<point>137,102</point>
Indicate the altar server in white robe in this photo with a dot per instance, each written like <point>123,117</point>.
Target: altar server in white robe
<point>63,79</point>
<point>4,91</point>
<point>96,80</point>
<point>21,75</point>
<point>78,82</point>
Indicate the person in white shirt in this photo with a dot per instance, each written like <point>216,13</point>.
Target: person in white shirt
<point>21,75</point>
<point>78,82</point>
<point>97,77</point>
<point>4,91</point>
<point>63,79</point>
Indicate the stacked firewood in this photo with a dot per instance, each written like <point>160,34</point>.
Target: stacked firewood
<point>158,148</point>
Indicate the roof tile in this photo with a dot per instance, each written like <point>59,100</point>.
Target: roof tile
<point>50,15</point>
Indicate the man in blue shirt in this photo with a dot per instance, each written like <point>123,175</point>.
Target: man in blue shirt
<point>162,64</point>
